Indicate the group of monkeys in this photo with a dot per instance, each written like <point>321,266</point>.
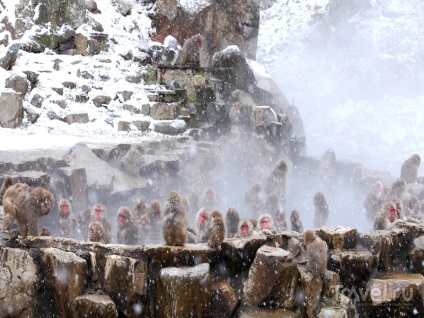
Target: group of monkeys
<point>386,205</point>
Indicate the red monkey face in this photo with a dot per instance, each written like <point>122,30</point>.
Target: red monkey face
<point>264,224</point>
<point>199,42</point>
<point>121,219</point>
<point>143,221</point>
<point>392,214</point>
<point>64,208</point>
<point>97,213</point>
<point>156,215</point>
<point>244,229</point>
<point>209,194</point>
<point>202,219</point>
<point>90,234</point>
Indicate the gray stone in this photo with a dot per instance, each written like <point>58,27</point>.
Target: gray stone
<point>94,306</point>
<point>102,100</point>
<point>416,256</point>
<point>76,182</point>
<point>58,90</point>
<point>91,6</point>
<point>224,299</point>
<point>91,44</point>
<point>60,13</point>
<point>12,109</point>
<point>338,237</point>
<point>32,114</point>
<point>124,125</point>
<point>37,100</point>
<point>145,109</point>
<point>311,284</point>
<point>164,111</point>
<point>84,74</point>
<point>125,95</point>
<point>175,299</point>
<point>19,283</point>
<point>256,312</point>
<point>61,102</point>
<point>9,59</point>
<point>18,83</point>
<point>69,84</point>
<point>124,7</point>
<point>142,125</point>
<point>333,312</point>
<point>170,127</point>
<point>81,118</point>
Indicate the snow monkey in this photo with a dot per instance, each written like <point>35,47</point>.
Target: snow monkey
<point>316,251</point>
<point>232,218</point>
<point>321,210</point>
<point>276,181</point>
<point>389,214</point>
<point>265,222</point>
<point>154,210</point>
<point>97,233</point>
<point>296,223</point>
<point>245,229</point>
<point>217,230</point>
<point>209,198</point>
<point>253,200</point>
<point>26,205</point>
<point>127,231</point>
<point>280,220</point>
<point>7,182</point>
<point>67,222</point>
<point>174,224</point>
<point>409,169</point>
<point>203,221</point>
<point>100,215</point>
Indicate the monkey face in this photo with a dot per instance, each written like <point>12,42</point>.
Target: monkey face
<point>209,194</point>
<point>203,218</point>
<point>64,209</point>
<point>90,234</point>
<point>121,219</point>
<point>46,205</point>
<point>264,223</point>
<point>392,214</point>
<point>244,229</point>
<point>97,213</point>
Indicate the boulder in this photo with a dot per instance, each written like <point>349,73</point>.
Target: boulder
<point>9,59</point>
<point>125,280</point>
<point>141,125</point>
<point>124,125</point>
<point>12,109</point>
<point>94,306</point>
<point>76,183</point>
<point>338,237</point>
<point>65,277</point>
<point>184,292</point>
<point>169,127</point>
<point>37,100</point>
<point>224,299</point>
<point>19,283</point>
<point>81,118</point>
<point>416,256</point>
<point>272,279</point>
<point>333,312</point>
<point>256,312</point>
<point>91,43</point>
<point>102,100</point>
<point>311,287</point>
<point>164,111</point>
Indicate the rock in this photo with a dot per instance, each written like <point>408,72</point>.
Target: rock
<point>33,114</point>
<point>124,7</point>
<point>416,256</point>
<point>60,102</point>
<point>164,111</point>
<point>76,182</point>
<point>355,267</point>
<point>90,43</point>
<point>124,125</point>
<point>19,283</point>
<point>12,109</point>
<point>18,83</point>
<point>69,84</point>
<point>91,6</point>
<point>256,312</point>
<point>32,178</point>
<point>37,100</point>
<point>65,275</point>
<point>57,13</point>
<point>338,237</point>
<point>311,287</point>
<point>175,299</point>
<point>125,280</point>
<point>333,312</point>
<point>224,299</point>
<point>124,95</point>
<point>102,100</point>
<point>85,74</point>
<point>9,59</point>
<point>32,77</point>
<point>169,127</point>
<point>94,306</point>
<point>272,279</point>
<point>77,118</point>
<point>332,284</point>
<point>58,90</point>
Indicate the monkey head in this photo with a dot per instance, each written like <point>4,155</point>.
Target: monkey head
<point>64,207</point>
<point>124,216</point>
<point>174,198</point>
<point>144,221</point>
<point>45,200</point>
<point>203,217</point>
<point>309,237</point>
<point>216,214</point>
<point>98,211</point>
<point>198,41</point>
<point>294,216</point>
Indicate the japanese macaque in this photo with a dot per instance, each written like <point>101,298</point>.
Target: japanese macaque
<point>97,233</point>
<point>265,222</point>
<point>253,200</point>
<point>83,220</point>
<point>26,205</point>
<point>145,221</point>
<point>245,229</point>
<point>209,198</point>
<point>100,215</point>
<point>232,218</point>
<point>276,181</point>
<point>217,230</point>
<point>194,52</point>
<point>388,216</point>
<point>139,210</point>
<point>321,210</point>
<point>133,160</point>
<point>414,207</point>
<point>373,200</point>
<point>280,220</point>
<point>154,210</point>
<point>272,203</point>
<point>296,223</point>
<point>7,182</point>
<point>174,224</point>
<point>316,252</point>
<point>409,169</point>
<point>398,188</point>
<point>127,231</point>
<point>67,222</point>
<point>328,164</point>
<point>45,231</point>
<point>203,221</point>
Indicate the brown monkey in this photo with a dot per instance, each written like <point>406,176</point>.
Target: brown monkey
<point>409,169</point>
<point>296,223</point>
<point>154,210</point>
<point>83,220</point>
<point>97,233</point>
<point>139,210</point>
<point>127,231</point>
<point>276,180</point>
<point>133,160</point>
<point>67,222</point>
<point>217,230</point>
<point>321,210</point>
<point>26,205</point>
<point>253,200</point>
<point>209,198</point>
<point>45,231</point>
<point>174,225</point>
<point>194,52</point>
<point>265,222</point>
<point>232,218</point>
<point>373,200</point>
<point>100,215</point>
<point>316,251</point>
<point>390,213</point>
<point>328,164</point>
<point>280,220</point>
<point>144,221</point>
<point>414,207</point>
<point>203,221</point>
<point>7,182</point>
<point>245,229</point>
